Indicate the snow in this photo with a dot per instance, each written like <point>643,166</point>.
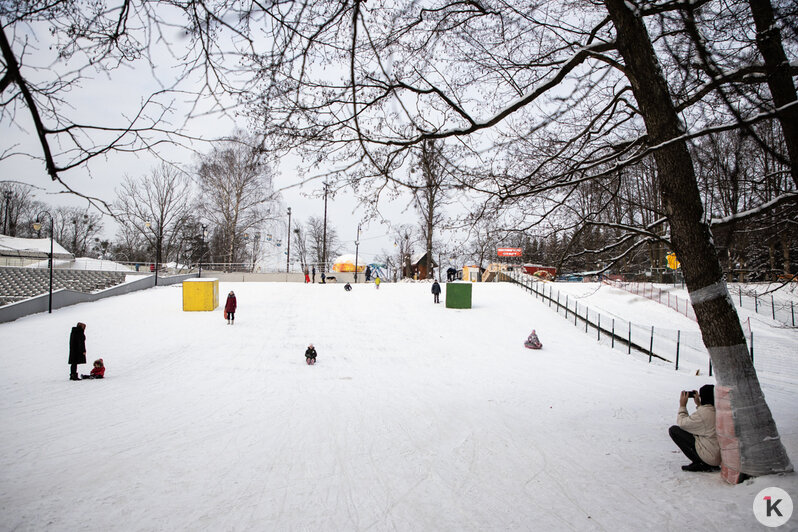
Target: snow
<point>416,417</point>
<point>40,245</point>
<point>85,263</point>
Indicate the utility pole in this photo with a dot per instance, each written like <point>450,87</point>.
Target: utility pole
<point>324,238</point>
<point>288,252</point>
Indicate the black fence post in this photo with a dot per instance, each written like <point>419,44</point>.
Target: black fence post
<point>613,334</point>
<point>629,350</point>
<point>752,347</point>
<point>710,366</point>
<point>678,341</point>
<point>651,345</point>
<point>576,312</point>
<point>566,306</point>
<point>587,318</point>
<point>598,328</point>
<point>773,306</point>
<point>792,311</point>
<point>740,291</point>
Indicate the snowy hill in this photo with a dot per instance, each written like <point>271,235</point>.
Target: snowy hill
<point>416,417</point>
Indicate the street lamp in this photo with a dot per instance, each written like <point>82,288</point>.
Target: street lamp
<point>37,225</point>
<point>202,249</point>
<point>288,251</point>
<point>357,245</point>
<point>157,250</point>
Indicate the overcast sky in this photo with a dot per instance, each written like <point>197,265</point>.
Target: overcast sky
<point>106,98</point>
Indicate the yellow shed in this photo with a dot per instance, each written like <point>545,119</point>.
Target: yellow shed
<point>200,294</point>
<point>471,273</point>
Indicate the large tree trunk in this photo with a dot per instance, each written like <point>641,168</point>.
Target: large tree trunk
<point>760,448</point>
<point>768,41</point>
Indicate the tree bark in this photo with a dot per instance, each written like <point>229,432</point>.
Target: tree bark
<point>760,447</point>
<point>779,79</point>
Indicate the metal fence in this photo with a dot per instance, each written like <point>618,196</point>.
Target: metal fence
<point>681,305</point>
<point>773,304</point>
<point>683,349</point>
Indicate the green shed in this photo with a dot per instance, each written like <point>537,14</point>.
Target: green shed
<point>458,295</point>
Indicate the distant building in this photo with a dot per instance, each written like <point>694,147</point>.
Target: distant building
<point>417,269</point>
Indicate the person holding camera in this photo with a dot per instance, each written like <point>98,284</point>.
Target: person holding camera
<point>695,434</point>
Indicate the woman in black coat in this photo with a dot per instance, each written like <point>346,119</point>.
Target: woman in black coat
<point>77,350</point>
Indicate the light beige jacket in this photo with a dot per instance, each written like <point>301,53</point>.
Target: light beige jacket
<point>702,425</point>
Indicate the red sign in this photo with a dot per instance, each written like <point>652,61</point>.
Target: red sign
<point>509,252</point>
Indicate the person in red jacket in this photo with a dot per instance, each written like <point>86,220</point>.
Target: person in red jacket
<point>97,372</point>
<point>230,308</point>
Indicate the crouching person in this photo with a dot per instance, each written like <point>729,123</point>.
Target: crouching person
<point>695,434</point>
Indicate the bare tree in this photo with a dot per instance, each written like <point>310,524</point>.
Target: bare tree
<point>235,182</point>
<point>75,229</point>
<point>429,195</point>
<point>19,208</point>
<point>156,206</point>
<point>315,236</point>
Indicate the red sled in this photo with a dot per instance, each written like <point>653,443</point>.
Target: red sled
<point>225,314</point>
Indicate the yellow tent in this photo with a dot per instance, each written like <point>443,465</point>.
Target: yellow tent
<point>346,263</point>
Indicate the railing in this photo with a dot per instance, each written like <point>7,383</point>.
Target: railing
<point>673,346</point>
<point>773,305</point>
<point>663,297</point>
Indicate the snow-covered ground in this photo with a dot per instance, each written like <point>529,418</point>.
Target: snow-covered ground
<point>416,417</point>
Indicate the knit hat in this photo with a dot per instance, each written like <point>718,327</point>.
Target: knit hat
<point>707,394</point>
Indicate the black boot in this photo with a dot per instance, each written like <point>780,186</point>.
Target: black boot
<point>74,377</point>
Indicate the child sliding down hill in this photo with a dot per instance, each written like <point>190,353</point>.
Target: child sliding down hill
<point>532,342</point>
<point>310,355</point>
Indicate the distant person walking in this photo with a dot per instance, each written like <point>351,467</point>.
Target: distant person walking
<point>377,282</point>
<point>307,275</point>
<point>230,308</point>
<point>313,274</point>
<point>323,278</point>
<point>368,273</point>
<point>436,291</point>
<point>77,350</point>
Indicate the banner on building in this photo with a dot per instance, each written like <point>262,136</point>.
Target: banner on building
<point>509,252</point>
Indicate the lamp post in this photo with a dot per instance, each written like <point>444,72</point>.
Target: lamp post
<point>37,225</point>
<point>288,252</point>
<point>202,249</point>
<point>357,246</point>
<point>157,250</point>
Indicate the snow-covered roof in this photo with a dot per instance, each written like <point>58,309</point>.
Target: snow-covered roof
<point>16,247</point>
<point>415,259</point>
<point>85,263</point>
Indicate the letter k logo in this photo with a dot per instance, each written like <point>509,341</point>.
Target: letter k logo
<point>772,506</point>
